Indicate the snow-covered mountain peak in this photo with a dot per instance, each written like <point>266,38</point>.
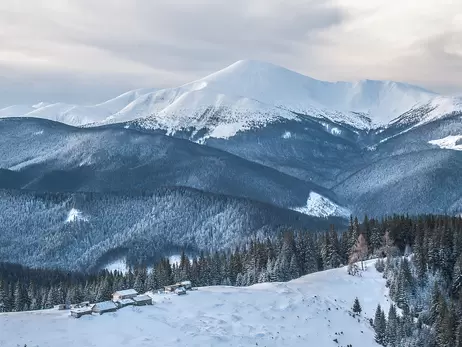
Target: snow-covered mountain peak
<point>250,94</point>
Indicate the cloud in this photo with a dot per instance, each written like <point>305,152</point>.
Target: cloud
<point>86,50</point>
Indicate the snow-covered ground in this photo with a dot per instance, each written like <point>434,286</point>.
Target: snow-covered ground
<point>76,216</point>
<point>313,310</point>
<point>320,206</point>
<point>449,142</point>
<point>121,264</point>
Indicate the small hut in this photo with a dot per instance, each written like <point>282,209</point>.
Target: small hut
<point>171,288</point>
<point>124,294</point>
<point>82,304</point>
<point>142,300</point>
<point>186,285</point>
<point>124,302</point>
<point>104,307</point>
<point>79,312</point>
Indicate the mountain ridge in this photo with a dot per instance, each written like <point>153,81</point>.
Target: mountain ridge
<point>249,94</point>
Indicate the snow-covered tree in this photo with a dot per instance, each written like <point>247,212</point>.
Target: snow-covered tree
<point>356,306</point>
<point>380,326</point>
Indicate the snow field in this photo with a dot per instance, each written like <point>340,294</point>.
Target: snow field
<point>310,311</point>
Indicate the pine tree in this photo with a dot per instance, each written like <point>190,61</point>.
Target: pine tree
<point>392,335</point>
<point>293,269</point>
<point>239,280</point>
<point>380,326</point>
<point>151,282</point>
<point>435,306</point>
<point>356,306</point>
<point>457,277</point>
<point>19,299</point>
<point>3,299</point>
<point>459,336</point>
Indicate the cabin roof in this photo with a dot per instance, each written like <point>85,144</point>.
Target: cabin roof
<point>105,305</point>
<point>81,310</point>
<point>125,301</point>
<point>126,292</point>
<point>142,298</point>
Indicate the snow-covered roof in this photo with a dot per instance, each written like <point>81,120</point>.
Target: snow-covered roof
<point>105,305</point>
<point>126,292</point>
<point>125,301</point>
<point>81,310</point>
<point>142,298</point>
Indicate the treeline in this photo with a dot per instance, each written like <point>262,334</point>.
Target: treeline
<point>426,286</point>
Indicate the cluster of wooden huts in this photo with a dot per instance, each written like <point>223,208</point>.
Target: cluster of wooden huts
<point>122,298</point>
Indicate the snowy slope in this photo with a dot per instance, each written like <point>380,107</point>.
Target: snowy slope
<point>380,100</point>
<point>312,310</point>
<point>74,114</point>
<point>320,206</point>
<point>249,94</point>
<point>449,142</point>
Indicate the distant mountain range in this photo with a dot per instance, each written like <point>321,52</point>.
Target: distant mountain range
<point>252,130</point>
<point>250,94</point>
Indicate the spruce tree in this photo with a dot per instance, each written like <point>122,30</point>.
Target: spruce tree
<point>356,306</point>
<point>458,336</point>
<point>392,335</point>
<point>19,299</point>
<point>293,269</point>
<point>380,326</point>
<point>3,299</point>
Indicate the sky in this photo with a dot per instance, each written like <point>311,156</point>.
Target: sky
<point>86,51</point>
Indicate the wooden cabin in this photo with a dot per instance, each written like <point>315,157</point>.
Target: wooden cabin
<point>180,291</point>
<point>79,312</point>
<point>171,288</point>
<point>124,294</point>
<point>186,285</point>
<point>124,302</point>
<point>82,304</point>
<point>104,307</point>
<point>142,300</point>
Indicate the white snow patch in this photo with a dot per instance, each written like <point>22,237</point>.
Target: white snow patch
<point>449,142</point>
<point>119,265</point>
<point>287,135</point>
<point>320,206</point>
<point>76,216</point>
<point>315,307</point>
<point>39,132</point>
<point>335,131</point>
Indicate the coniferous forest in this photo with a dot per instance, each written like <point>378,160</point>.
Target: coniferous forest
<point>421,258</point>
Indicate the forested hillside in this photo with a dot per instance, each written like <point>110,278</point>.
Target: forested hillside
<point>76,230</point>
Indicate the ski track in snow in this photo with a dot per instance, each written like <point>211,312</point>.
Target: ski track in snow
<point>312,310</point>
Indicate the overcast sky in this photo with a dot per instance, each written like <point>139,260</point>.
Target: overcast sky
<point>88,50</point>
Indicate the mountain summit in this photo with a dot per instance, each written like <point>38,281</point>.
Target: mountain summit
<point>249,94</point>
